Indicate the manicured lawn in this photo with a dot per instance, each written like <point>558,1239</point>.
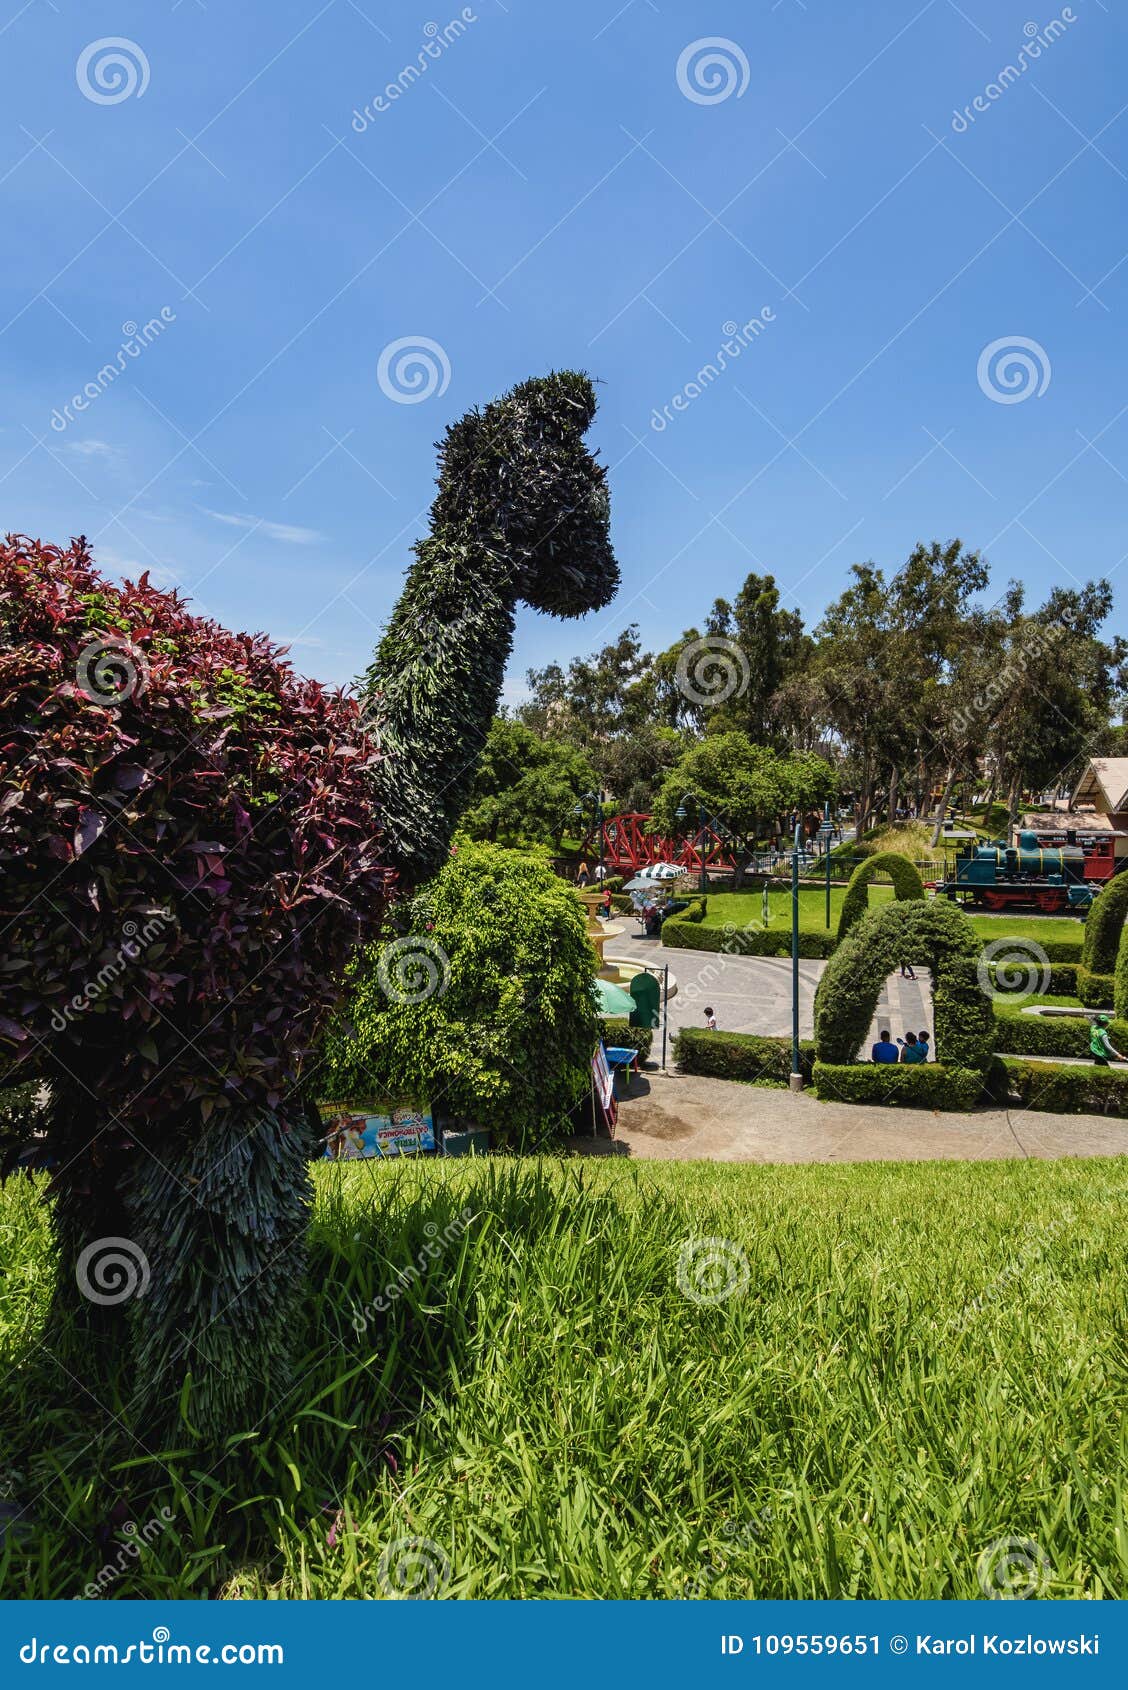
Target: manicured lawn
<point>1038,929</point>
<point>1016,1005</point>
<point>746,908</point>
<point>741,908</point>
<point>925,1360</point>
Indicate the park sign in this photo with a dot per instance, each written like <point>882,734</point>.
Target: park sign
<point>400,1130</point>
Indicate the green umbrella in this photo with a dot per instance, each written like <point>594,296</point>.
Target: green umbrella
<point>612,999</point>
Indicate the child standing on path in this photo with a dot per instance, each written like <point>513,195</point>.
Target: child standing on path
<point>710,1021</point>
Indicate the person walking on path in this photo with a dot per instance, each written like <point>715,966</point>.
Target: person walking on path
<point>907,971</point>
<point>710,1020</point>
<point>583,876</point>
<point>1101,1046</point>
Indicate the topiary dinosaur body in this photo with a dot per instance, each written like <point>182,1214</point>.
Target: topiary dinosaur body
<point>193,842</point>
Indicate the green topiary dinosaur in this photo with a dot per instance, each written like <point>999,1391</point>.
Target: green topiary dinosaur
<point>521,514</point>
<point>190,851</point>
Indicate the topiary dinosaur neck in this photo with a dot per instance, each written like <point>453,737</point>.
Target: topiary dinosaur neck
<point>432,692</point>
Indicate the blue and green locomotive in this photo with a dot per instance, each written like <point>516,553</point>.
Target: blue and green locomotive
<point>1055,879</point>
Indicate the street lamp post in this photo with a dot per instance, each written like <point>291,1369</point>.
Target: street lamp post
<point>682,812</point>
<point>595,799</point>
<point>796,1078</point>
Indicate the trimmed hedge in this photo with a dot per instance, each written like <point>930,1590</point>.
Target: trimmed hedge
<point>923,1085</point>
<point>1096,991</point>
<point>685,935</point>
<point>1062,981</point>
<point>1103,926</point>
<point>1051,1035</point>
<point>617,1030</point>
<point>1054,950</point>
<point>740,1056</point>
<point>906,884</point>
<point>1066,1091</point>
<point>935,932</point>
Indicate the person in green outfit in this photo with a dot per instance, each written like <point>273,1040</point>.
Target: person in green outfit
<point>1101,1046</point>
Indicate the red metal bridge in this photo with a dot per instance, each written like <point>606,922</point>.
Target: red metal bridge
<point>627,846</point>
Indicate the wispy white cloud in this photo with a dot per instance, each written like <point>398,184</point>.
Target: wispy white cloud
<point>93,449</point>
<point>284,531</point>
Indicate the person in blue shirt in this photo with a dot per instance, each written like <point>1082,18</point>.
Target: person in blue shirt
<point>911,1048</point>
<point>922,1040</point>
<point>884,1050</point>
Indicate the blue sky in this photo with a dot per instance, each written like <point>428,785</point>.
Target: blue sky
<point>551,192</point>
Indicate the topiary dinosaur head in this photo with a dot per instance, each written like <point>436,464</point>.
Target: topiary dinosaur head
<point>518,478</point>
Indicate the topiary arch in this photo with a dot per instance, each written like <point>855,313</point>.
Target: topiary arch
<point>1101,942</point>
<point>906,884</point>
<point>933,932</point>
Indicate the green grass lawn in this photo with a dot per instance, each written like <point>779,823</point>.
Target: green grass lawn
<point>741,908</point>
<point>925,1360</point>
<point>1019,1004</point>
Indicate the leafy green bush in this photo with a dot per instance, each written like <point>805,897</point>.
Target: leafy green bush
<point>1063,1090</point>
<point>486,1003</point>
<point>739,1056</point>
<point>617,1030</point>
<point>935,932</point>
<point>1051,1035</point>
<point>1060,982</point>
<point>742,941</point>
<point>21,1114</point>
<point>1096,991</point>
<point>906,884</point>
<point>1103,926</point>
<point>923,1085</point>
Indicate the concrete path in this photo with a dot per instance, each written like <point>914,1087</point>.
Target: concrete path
<point>753,994</point>
<point>684,1117</point>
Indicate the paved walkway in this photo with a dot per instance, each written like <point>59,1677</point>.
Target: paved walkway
<point>753,994</point>
<point>684,1117</point>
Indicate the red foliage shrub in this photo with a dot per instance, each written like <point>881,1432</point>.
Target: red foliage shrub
<point>188,852</point>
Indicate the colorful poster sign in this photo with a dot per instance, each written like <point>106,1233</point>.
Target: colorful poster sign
<point>401,1131</point>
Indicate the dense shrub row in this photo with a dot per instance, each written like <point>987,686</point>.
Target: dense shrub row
<point>1066,1091</point>
<point>1051,1035</point>
<point>740,1056</point>
<point>617,1030</point>
<point>689,935</point>
<point>1096,991</point>
<point>928,1085</point>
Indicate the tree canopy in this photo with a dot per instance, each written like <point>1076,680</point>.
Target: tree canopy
<point>483,1007</point>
